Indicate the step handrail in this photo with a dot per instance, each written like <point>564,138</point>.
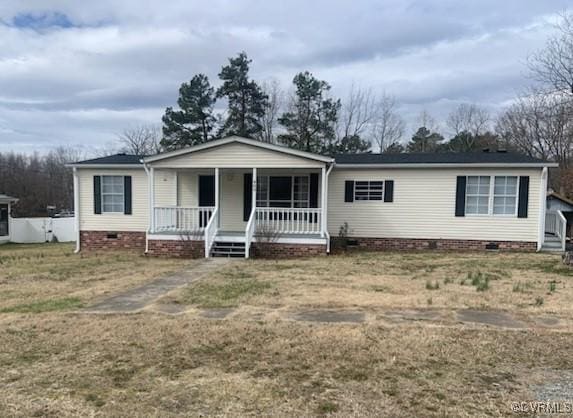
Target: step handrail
<point>250,232</point>
<point>211,232</point>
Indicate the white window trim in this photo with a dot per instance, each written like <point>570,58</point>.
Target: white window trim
<point>490,199</point>
<point>292,199</point>
<point>354,200</point>
<point>103,211</point>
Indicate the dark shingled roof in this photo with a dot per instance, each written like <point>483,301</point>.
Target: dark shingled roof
<point>438,158</point>
<point>114,159</point>
<point>405,158</point>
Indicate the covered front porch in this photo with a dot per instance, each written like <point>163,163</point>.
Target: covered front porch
<point>229,209</point>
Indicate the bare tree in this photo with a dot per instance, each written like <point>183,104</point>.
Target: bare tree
<point>426,120</point>
<point>389,127</point>
<point>273,107</point>
<point>553,65</point>
<point>468,118</point>
<point>358,114</point>
<point>539,125</point>
<point>141,140</point>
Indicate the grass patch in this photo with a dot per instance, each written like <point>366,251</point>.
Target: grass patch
<point>522,287</point>
<point>49,305</point>
<point>223,294</point>
<point>432,285</point>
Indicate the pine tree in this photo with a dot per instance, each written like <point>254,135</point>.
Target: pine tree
<point>424,141</point>
<point>193,123</point>
<point>311,118</point>
<point>246,100</point>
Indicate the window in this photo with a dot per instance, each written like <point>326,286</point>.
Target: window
<point>477,195</point>
<point>487,197</point>
<point>505,196</point>
<point>283,191</point>
<point>301,192</point>
<point>368,190</point>
<point>112,194</point>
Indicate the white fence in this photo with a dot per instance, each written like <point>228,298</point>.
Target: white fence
<point>32,230</point>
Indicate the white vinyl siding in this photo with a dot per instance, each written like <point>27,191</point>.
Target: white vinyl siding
<point>112,194</point>
<point>424,207</point>
<point>237,155</point>
<point>107,221</point>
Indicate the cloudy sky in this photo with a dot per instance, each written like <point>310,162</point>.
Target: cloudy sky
<point>76,73</point>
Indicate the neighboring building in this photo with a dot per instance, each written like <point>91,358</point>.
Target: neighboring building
<point>236,196</point>
<point>5,217</point>
<point>559,210</point>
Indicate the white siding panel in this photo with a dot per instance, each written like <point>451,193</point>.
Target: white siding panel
<point>424,207</point>
<point>237,155</point>
<point>165,188</point>
<point>89,221</point>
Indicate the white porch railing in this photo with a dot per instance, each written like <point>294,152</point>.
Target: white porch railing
<point>556,225</point>
<point>211,232</point>
<point>250,233</point>
<point>289,220</point>
<point>182,219</point>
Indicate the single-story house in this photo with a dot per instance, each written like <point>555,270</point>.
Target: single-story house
<point>5,217</point>
<point>236,196</point>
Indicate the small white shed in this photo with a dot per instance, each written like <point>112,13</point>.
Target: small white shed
<point>5,218</point>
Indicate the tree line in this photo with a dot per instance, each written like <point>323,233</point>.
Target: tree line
<point>42,183</point>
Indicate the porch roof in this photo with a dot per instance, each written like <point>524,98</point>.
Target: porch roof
<point>239,140</point>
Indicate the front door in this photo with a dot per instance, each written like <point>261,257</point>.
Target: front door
<point>4,220</point>
<point>206,197</point>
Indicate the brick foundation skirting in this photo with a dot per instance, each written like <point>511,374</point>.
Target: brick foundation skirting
<point>433,244</point>
<point>278,250</point>
<point>176,248</point>
<point>112,240</point>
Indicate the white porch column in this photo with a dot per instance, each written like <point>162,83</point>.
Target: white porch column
<point>217,195</point>
<point>323,202</point>
<point>254,189</point>
<point>151,192</point>
<point>76,210</point>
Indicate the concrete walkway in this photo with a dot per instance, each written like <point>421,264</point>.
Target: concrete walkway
<point>138,298</point>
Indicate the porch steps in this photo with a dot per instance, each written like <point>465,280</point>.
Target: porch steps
<point>228,249</point>
<point>551,244</point>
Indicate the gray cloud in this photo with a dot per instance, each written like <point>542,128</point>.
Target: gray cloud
<point>82,71</point>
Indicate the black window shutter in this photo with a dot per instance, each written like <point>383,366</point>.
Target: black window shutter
<point>389,191</point>
<point>127,195</point>
<point>247,196</point>
<point>97,195</point>
<point>523,197</point>
<point>349,191</point>
<point>313,188</point>
<point>461,196</point>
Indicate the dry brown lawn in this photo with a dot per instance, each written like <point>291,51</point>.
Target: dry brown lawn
<point>59,363</point>
<point>530,284</point>
<point>36,278</point>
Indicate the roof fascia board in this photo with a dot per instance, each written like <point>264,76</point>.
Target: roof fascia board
<point>449,165</point>
<point>104,165</point>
